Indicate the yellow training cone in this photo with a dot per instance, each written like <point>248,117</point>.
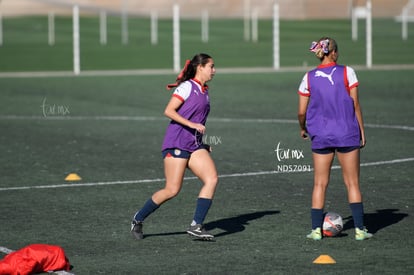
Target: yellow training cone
<point>324,259</point>
<point>72,177</point>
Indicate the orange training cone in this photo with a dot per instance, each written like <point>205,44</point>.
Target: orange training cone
<point>72,177</point>
<point>324,259</point>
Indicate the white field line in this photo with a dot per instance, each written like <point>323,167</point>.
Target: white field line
<point>152,118</point>
<point>245,174</point>
<point>148,118</point>
<point>5,250</point>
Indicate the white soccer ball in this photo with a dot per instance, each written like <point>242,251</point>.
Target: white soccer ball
<point>332,224</point>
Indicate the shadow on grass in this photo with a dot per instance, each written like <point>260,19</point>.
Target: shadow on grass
<point>379,220</point>
<point>229,225</point>
<point>164,234</point>
<point>236,224</point>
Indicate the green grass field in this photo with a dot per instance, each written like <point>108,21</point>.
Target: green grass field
<point>109,129</point>
<point>25,44</point>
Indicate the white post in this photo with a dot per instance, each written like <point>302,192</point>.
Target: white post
<point>246,20</point>
<point>204,26</point>
<point>124,20</point>
<point>404,23</point>
<point>354,22</point>
<point>1,30</point>
<point>255,28</point>
<point>76,51</point>
<point>357,13</point>
<point>102,28</point>
<point>176,37</point>
<point>154,28</point>
<point>369,33</point>
<point>276,38</point>
<point>51,25</point>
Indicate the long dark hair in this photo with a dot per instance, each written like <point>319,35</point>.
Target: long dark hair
<point>190,69</point>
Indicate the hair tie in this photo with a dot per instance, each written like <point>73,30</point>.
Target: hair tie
<point>180,75</point>
<point>323,45</point>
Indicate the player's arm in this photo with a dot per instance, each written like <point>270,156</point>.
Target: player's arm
<point>171,112</point>
<point>354,94</point>
<point>303,105</point>
<point>304,95</point>
<point>358,112</point>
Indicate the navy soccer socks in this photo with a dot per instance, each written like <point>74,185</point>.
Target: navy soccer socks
<point>203,205</point>
<point>317,218</point>
<point>357,210</point>
<point>149,207</point>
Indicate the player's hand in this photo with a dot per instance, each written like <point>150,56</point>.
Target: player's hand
<point>363,143</point>
<point>304,134</point>
<point>199,127</point>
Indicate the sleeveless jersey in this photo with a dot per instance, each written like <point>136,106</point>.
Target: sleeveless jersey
<point>330,116</point>
<point>195,107</point>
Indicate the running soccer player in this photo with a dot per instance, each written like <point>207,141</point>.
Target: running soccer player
<point>183,145</point>
<point>330,113</point>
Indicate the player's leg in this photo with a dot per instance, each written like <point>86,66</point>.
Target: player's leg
<point>350,171</point>
<point>174,169</point>
<point>350,164</point>
<point>322,167</point>
<point>322,170</point>
<point>202,165</point>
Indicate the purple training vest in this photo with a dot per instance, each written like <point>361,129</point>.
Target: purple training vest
<point>330,117</point>
<point>196,109</point>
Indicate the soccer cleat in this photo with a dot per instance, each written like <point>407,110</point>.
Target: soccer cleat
<point>136,229</point>
<point>315,234</point>
<point>362,234</point>
<point>199,232</point>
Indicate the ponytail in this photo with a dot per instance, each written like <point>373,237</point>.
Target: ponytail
<point>180,76</point>
<point>190,69</point>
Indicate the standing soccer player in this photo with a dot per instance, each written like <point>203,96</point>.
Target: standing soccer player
<point>183,145</point>
<point>330,113</point>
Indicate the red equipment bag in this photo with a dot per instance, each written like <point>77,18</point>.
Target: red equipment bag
<point>34,258</point>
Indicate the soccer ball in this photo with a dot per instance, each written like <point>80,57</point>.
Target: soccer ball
<point>332,224</point>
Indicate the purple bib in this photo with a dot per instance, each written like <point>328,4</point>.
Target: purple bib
<point>196,109</point>
<point>330,117</point>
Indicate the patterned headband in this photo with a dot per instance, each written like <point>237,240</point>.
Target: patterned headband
<point>323,44</point>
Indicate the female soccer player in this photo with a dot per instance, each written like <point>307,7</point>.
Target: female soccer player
<point>330,113</point>
<point>183,146</point>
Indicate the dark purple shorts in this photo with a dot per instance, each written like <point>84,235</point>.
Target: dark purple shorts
<point>330,150</point>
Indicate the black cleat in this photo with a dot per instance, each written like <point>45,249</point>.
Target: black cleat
<point>136,230</point>
<point>199,232</point>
